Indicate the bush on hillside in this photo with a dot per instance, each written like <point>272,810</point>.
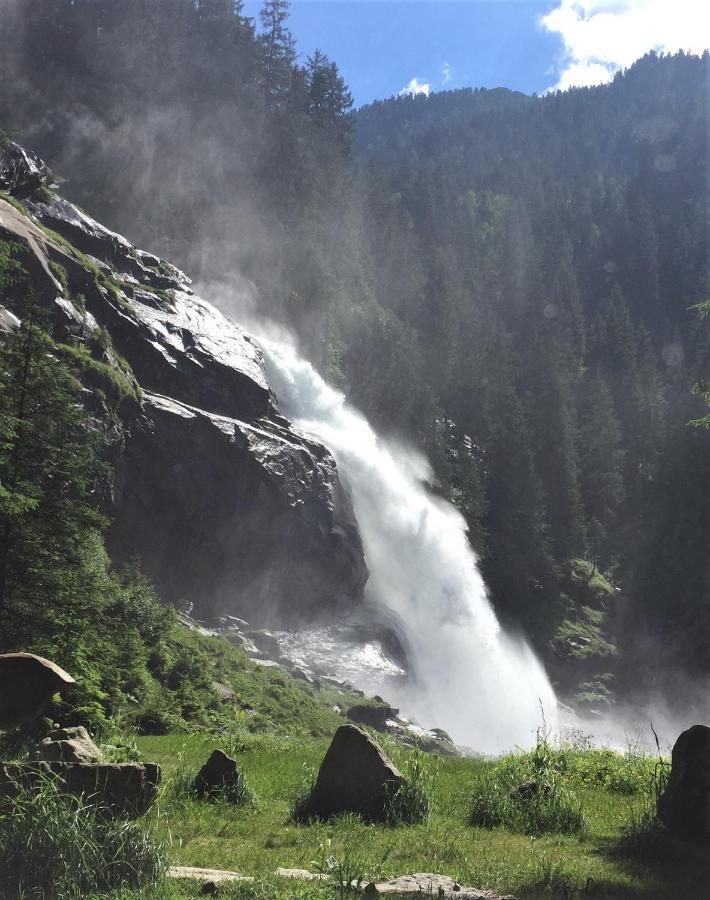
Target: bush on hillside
<point>527,793</point>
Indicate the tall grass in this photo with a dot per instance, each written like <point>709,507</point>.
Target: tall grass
<point>60,846</point>
<point>527,793</point>
<point>411,802</point>
<point>346,872</point>
<point>185,785</point>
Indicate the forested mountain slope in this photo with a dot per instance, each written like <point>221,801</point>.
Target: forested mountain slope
<point>547,253</point>
<point>505,280</point>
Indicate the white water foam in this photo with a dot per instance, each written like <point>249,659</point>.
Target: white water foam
<point>469,677</point>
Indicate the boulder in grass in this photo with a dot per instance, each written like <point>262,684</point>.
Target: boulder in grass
<point>355,776</point>
<point>127,789</point>
<point>27,684</point>
<point>219,775</point>
<point>684,806</point>
<point>71,744</point>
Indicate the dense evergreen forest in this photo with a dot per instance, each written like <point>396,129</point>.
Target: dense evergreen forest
<point>512,283</point>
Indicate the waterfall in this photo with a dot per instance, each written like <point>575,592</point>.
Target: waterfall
<point>483,686</point>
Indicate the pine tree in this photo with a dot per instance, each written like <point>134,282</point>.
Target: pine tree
<point>601,465</point>
<point>49,476</point>
<point>277,50</point>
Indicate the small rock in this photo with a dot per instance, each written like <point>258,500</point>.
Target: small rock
<point>71,744</point>
<point>286,663</point>
<point>301,874</point>
<point>218,775</point>
<point>427,884</point>
<point>529,789</point>
<point>266,642</point>
<point>302,675</point>
<point>225,693</point>
<point>234,622</point>
<point>216,876</point>
<point>442,735</point>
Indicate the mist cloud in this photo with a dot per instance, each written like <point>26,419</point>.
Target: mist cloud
<point>415,87</point>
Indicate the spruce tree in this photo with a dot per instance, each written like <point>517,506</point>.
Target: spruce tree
<point>50,475</point>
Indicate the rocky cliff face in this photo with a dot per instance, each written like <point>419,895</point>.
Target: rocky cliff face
<point>228,507</point>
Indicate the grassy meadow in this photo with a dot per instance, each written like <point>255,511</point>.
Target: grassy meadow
<point>618,854</point>
<point>581,825</point>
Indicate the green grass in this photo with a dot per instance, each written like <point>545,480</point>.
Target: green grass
<point>112,381</point>
<point>268,700</point>
<point>607,860</point>
<point>279,743</point>
<point>621,854</point>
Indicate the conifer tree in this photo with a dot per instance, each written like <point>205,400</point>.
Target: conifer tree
<point>49,477</point>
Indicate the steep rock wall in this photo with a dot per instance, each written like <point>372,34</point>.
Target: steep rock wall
<point>228,507</point>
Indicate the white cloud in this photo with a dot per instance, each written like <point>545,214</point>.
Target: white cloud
<point>415,87</point>
<point>447,73</point>
<point>603,36</point>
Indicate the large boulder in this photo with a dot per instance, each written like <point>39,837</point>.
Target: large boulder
<point>27,684</point>
<point>72,744</point>
<point>355,776</point>
<point>128,789</point>
<point>684,806</point>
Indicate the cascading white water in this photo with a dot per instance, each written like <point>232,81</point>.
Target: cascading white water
<point>484,687</point>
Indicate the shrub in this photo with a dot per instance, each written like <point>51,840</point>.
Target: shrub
<point>54,845</point>
<point>526,793</point>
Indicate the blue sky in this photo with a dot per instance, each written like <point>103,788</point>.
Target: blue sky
<point>384,47</point>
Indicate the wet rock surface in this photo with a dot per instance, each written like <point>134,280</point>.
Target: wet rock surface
<point>684,807</point>
<point>281,652</point>
<point>376,715</point>
<point>355,776</point>
<point>229,508</point>
<point>21,171</point>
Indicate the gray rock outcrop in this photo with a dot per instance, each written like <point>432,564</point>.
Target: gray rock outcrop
<point>355,776</point>
<point>229,508</point>
<point>684,806</point>
<point>72,744</point>
<point>128,789</point>
<point>27,684</point>
<point>376,715</point>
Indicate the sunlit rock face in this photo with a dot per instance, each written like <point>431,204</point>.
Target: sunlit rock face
<point>227,506</point>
